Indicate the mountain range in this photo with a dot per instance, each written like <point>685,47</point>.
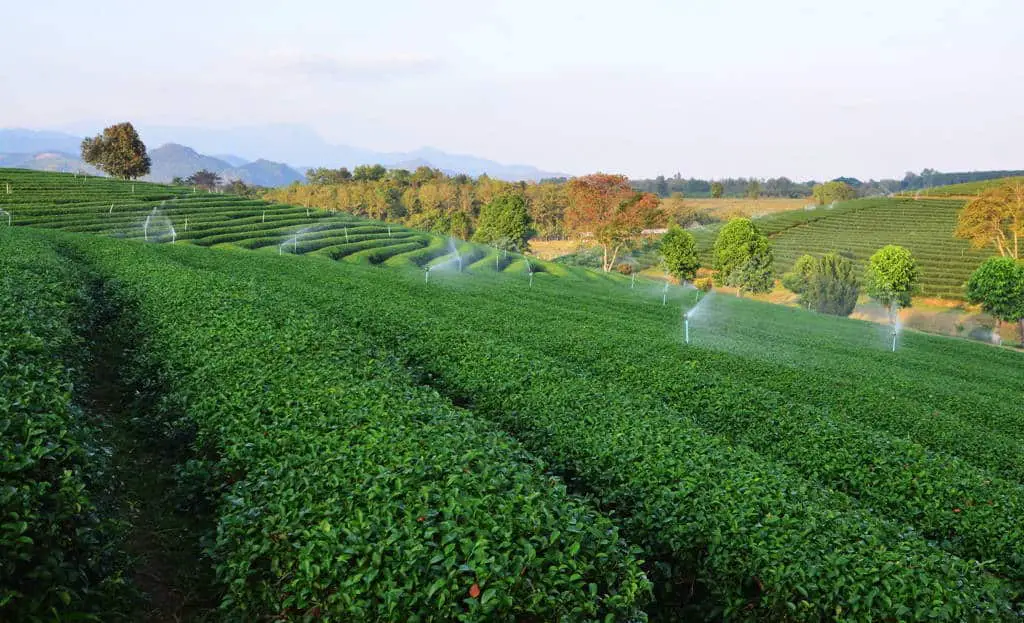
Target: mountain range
<point>241,154</point>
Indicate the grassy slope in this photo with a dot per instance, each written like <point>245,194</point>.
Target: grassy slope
<point>968,189</point>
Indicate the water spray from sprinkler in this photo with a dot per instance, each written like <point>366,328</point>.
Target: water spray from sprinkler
<point>346,235</point>
<point>8,215</point>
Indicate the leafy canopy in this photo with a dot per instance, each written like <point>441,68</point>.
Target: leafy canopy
<point>995,217</point>
<point>743,258</point>
<point>833,191</point>
<point>998,286</point>
<point>679,253</point>
<point>608,208</point>
<point>118,151</point>
<point>892,276</point>
<point>504,222</point>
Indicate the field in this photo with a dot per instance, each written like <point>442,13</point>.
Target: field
<point>966,190</point>
<point>726,207</point>
<point>361,444</point>
<point>162,213</point>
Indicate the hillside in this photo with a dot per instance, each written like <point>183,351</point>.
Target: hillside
<point>860,228</point>
<point>968,189</point>
<point>164,213</point>
<point>520,449</point>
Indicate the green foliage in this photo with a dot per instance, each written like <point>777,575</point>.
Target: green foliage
<point>57,560</point>
<point>504,223</point>
<point>324,175</point>
<point>892,276</point>
<point>833,191</point>
<point>796,281</point>
<point>369,172</point>
<point>753,189</point>
<point>998,286</point>
<point>717,189</point>
<point>679,253</point>
<point>832,286</point>
<point>347,490</point>
<point>118,151</point>
<point>743,257</point>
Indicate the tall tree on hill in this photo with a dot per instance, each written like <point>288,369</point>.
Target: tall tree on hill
<point>743,258</point>
<point>606,207</point>
<point>679,253</point>
<point>504,223</point>
<point>998,285</point>
<point>118,151</point>
<point>891,278</point>
<point>995,217</point>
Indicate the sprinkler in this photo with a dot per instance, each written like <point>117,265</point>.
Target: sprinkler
<point>426,276</point>
<point>111,209</point>
<point>346,235</point>
<point>632,280</point>
<point>264,216</point>
<point>686,327</point>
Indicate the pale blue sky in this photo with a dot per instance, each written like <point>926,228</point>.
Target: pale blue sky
<point>803,88</point>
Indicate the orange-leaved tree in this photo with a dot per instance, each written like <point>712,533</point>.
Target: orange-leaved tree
<point>607,208</point>
<point>995,217</point>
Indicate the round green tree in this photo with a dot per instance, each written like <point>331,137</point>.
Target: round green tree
<point>998,285</point>
<point>833,191</point>
<point>743,257</point>
<point>504,223</point>
<point>679,253</point>
<point>717,190</point>
<point>118,151</point>
<point>892,276</point>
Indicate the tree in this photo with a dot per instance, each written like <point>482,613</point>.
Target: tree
<point>796,281</point>
<point>998,285</point>
<point>754,189</point>
<point>717,189</point>
<point>504,222</point>
<point>995,217</point>
<point>679,253</point>
<point>606,207</point>
<point>833,191</point>
<point>891,277</point>
<point>118,151</point>
<point>743,257</point>
<point>833,286</point>
<point>203,179</point>
<point>323,176</point>
<point>369,173</point>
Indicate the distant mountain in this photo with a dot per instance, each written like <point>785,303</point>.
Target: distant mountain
<point>288,143</point>
<point>264,173</point>
<point>20,141</point>
<point>172,160</point>
<point>294,144</point>
<point>235,161</point>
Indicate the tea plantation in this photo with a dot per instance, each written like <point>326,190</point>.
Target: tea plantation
<point>360,443</point>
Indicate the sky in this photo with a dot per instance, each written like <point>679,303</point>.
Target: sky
<point>806,89</point>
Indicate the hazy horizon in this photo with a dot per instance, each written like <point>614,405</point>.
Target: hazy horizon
<point>734,88</point>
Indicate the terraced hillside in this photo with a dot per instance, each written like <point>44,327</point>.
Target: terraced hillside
<point>967,189</point>
<point>163,213</point>
<point>861,227</point>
